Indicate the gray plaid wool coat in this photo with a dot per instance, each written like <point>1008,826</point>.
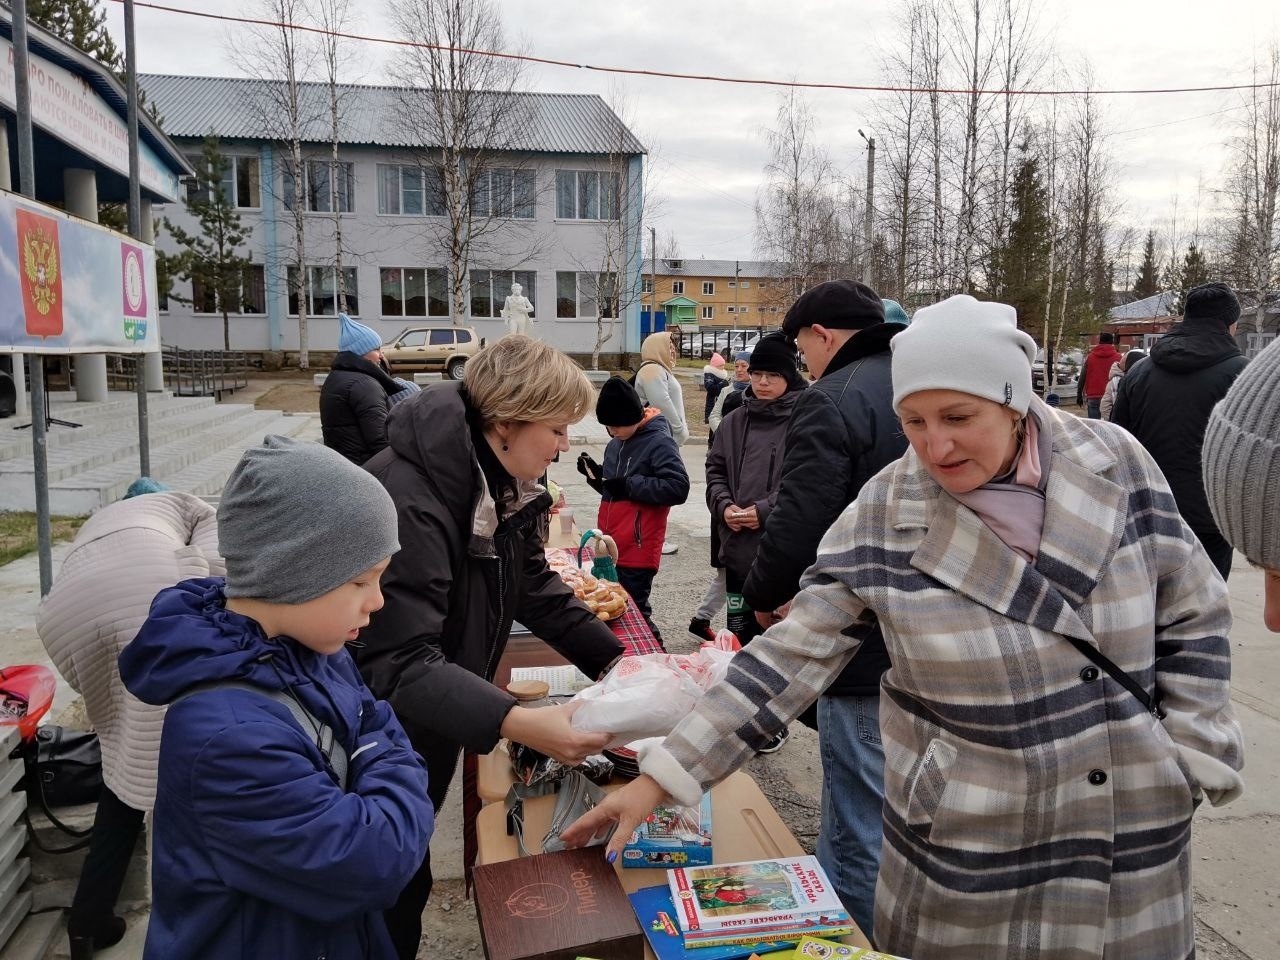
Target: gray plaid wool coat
<point>1033,809</point>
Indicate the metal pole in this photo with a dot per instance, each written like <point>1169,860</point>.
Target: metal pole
<point>868,228</point>
<point>135,225</point>
<point>39,401</point>
<point>653,272</point>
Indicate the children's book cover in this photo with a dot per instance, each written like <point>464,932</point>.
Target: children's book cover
<point>657,915</point>
<point>755,893</point>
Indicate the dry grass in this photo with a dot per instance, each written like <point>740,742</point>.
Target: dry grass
<point>18,533</point>
<point>300,397</point>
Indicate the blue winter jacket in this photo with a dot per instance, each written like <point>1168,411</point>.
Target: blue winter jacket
<point>258,852</point>
<point>655,479</point>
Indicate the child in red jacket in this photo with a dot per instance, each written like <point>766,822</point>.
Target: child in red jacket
<point>643,477</point>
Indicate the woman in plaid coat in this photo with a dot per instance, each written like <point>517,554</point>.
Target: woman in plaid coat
<point>1034,808</point>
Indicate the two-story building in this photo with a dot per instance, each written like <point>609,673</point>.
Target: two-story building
<point>718,293</point>
<point>559,201</point>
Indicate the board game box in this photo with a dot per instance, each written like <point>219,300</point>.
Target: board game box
<point>672,836</point>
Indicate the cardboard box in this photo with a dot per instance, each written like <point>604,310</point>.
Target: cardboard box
<point>672,836</point>
<point>555,906</point>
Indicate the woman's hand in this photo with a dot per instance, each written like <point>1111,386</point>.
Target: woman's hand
<point>749,518</point>
<point>547,730</point>
<point>627,807</point>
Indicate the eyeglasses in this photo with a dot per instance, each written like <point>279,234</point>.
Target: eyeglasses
<point>763,376</point>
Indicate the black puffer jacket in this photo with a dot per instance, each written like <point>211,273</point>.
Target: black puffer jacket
<point>842,432</point>
<point>461,576</point>
<point>744,468</point>
<point>1165,401</point>
<point>353,407</point>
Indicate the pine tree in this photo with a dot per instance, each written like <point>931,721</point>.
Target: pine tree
<point>211,258</point>
<point>1148,283</point>
<point>1022,262</point>
<point>1193,272</point>
<point>82,23</point>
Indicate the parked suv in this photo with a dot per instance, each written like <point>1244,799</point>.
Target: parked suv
<point>444,348</point>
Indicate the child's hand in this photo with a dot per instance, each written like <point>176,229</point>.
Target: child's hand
<point>616,488</point>
<point>592,471</point>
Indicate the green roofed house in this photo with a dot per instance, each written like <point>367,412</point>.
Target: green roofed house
<point>681,310</point>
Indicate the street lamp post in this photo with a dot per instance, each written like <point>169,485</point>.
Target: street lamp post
<point>867,227</point>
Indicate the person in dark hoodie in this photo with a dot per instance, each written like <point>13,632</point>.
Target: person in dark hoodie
<point>355,398</point>
<point>290,807</point>
<point>462,465</point>
<point>643,477</point>
<point>843,431</point>
<point>1165,402</point>
<point>744,469</point>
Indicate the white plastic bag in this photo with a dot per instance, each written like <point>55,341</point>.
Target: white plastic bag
<point>647,696</point>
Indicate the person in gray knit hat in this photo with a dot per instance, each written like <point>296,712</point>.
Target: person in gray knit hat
<point>285,791</point>
<point>1241,468</point>
<point>284,518</point>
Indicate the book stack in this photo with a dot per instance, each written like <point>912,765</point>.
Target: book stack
<point>756,902</point>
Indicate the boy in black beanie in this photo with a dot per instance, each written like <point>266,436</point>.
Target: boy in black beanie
<point>643,477</point>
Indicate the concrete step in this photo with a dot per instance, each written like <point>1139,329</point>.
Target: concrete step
<point>108,444</point>
<point>207,477</point>
<point>33,934</point>
<point>196,463</point>
<point>119,411</point>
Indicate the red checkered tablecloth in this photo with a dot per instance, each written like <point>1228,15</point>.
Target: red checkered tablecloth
<point>630,628</point>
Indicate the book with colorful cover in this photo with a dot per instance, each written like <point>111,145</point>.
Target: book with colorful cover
<point>811,948</point>
<point>755,894</point>
<point>657,915</point>
<point>721,938</point>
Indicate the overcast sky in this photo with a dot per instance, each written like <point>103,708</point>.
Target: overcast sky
<point>707,138</point>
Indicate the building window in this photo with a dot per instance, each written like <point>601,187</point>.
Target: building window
<point>490,288</point>
<point>708,288</point>
<point>708,313</point>
<point>586,195</point>
<point>677,287</point>
<point>742,309</point>
<point>240,181</point>
<point>732,284</point>
<point>744,284</point>
<point>731,308</point>
<point>414,292</point>
<point>410,191</point>
<point>580,295</point>
<point>504,192</point>
<point>250,301</point>
<point>646,285</point>
<point>322,193</point>
<point>322,291</point>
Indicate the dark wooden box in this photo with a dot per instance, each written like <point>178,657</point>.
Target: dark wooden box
<point>556,906</point>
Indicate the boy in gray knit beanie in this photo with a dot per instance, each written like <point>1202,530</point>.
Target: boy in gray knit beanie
<point>1240,460</point>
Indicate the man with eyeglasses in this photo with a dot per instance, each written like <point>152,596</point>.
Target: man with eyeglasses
<point>842,432</point>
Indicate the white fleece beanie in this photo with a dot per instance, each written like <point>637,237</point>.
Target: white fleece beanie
<point>966,345</point>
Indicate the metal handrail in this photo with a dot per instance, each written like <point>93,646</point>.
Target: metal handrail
<point>204,373</point>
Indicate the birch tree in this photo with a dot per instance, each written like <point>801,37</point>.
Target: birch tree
<point>1254,182</point>
<point>283,58</point>
<point>796,207</point>
<point>465,108</point>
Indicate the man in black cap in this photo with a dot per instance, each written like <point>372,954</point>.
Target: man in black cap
<point>842,432</point>
<point>1166,399</point>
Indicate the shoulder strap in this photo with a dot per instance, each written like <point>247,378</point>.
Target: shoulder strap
<point>1149,703</point>
<point>315,729</point>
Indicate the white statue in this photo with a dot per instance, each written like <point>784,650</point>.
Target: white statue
<point>517,310</point>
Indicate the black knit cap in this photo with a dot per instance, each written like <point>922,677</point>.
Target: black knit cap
<point>773,353</point>
<point>1212,301</point>
<point>618,404</point>
<point>837,304</point>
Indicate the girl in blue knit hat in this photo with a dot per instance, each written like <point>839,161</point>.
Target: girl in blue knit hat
<point>356,396</point>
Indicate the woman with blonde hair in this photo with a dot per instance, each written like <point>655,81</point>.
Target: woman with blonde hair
<point>1057,698</point>
<point>462,465</point>
<point>658,386</point>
